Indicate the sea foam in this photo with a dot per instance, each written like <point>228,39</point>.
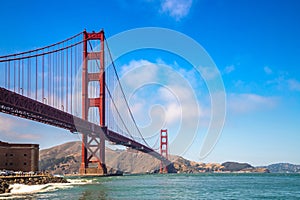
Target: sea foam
<point>19,190</point>
<point>29,189</point>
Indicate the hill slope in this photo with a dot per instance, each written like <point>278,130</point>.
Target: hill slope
<point>66,158</point>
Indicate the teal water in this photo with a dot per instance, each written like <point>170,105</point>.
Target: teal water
<point>169,186</point>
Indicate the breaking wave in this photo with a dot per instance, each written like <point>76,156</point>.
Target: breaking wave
<point>19,190</point>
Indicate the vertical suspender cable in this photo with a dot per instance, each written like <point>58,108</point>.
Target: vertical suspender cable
<point>49,76</point>
<point>23,77</point>
<point>75,89</point>
<point>71,80</point>
<point>62,81</point>
<point>14,76</point>
<point>8,82</point>
<point>52,78</point>
<point>67,81</point>
<point>19,84</point>
<point>36,77</point>
<point>43,76</point>
<point>28,78</point>
<point>56,80</point>
<point>5,74</point>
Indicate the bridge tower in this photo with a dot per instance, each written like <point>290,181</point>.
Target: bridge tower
<point>93,146</point>
<point>163,149</point>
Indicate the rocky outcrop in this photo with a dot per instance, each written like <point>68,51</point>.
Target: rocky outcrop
<point>28,180</point>
<point>4,186</point>
<point>36,180</point>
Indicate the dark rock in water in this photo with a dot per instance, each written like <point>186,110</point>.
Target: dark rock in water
<point>115,172</point>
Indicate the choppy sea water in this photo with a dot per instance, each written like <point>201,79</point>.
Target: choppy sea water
<point>167,186</point>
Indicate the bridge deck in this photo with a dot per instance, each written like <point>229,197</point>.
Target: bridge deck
<point>15,104</point>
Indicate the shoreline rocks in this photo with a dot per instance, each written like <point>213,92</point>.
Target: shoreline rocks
<point>5,182</point>
<point>4,187</point>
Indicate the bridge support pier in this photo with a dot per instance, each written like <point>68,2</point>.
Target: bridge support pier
<point>93,155</point>
<point>93,146</point>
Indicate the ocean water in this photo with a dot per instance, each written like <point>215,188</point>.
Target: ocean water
<point>167,186</point>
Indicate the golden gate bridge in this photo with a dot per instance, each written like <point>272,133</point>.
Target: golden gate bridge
<point>74,85</point>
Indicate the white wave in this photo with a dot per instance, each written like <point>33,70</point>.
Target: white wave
<point>80,181</point>
<point>29,189</point>
<point>21,189</point>
<point>9,196</point>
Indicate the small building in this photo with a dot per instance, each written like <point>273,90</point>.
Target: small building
<point>19,157</point>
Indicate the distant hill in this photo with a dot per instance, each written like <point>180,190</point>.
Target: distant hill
<point>66,158</point>
<point>284,168</point>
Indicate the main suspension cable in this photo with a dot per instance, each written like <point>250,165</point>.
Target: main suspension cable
<point>131,115</point>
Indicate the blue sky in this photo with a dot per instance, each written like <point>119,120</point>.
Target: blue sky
<point>254,44</point>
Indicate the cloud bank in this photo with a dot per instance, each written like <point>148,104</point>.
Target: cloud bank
<point>177,9</point>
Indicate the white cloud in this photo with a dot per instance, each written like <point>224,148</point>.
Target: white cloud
<point>28,136</point>
<point>162,95</point>
<point>173,113</point>
<point>194,78</point>
<point>141,71</point>
<point>177,9</point>
<point>8,126</point>
<point>174,93</point>
<point>268,70</point>
<point>137,107</point>
<point>283,82</point>
<point>293,84</point>
<point>229,69</point>
<point>209,73</point>
<point>239,84</point>
<point>179,102</point>
<point>245,103</point>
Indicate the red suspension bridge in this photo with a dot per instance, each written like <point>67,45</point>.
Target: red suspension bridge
<point>74,85</point>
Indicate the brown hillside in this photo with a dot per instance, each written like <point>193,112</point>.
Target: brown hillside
<point>66,158</point>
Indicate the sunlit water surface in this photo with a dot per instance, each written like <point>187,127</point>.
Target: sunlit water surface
<point>167,186</point>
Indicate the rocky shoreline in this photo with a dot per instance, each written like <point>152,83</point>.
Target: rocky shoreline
<point>5,182</point>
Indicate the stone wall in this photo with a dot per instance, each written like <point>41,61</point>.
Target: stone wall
<point>19,157</point>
